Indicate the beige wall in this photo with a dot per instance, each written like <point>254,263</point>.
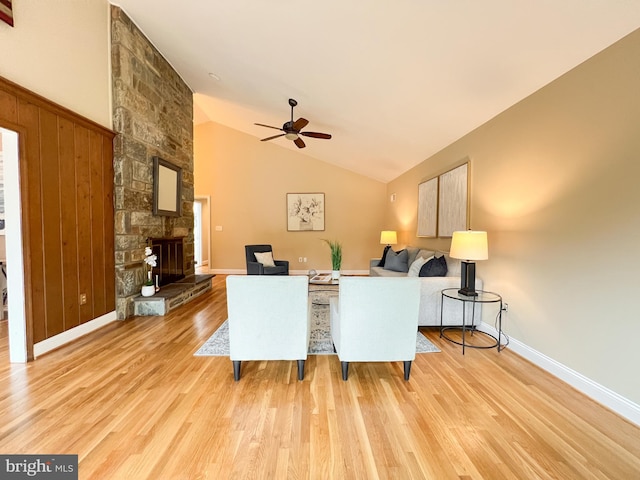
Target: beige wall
<point>248,181</point>
<point>60,50</point>
<point>554,182</point>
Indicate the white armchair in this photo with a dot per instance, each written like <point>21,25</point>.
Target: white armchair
<point>268,319</point>
<point>375,319</point>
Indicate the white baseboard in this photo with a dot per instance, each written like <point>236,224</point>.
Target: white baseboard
<point>59,340</point>
<point>610,399</point>
<point>230,271</point>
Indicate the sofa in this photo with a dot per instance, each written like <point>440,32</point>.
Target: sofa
<point>430,286</point>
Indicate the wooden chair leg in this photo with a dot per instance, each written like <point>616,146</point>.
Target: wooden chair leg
<point>236,370</point>
<point>345,370</point>
<point>407,370</point>
<point>300,370</point>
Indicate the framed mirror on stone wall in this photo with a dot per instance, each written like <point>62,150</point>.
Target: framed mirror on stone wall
<point>167,188</point>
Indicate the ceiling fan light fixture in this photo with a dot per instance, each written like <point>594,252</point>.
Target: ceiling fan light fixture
<point>292,130</point>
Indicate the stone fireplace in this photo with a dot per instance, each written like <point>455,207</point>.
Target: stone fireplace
<point>153,117</point>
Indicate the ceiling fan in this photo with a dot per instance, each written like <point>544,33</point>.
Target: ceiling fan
<point>292,129</point>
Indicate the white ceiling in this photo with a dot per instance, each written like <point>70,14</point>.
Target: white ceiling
<point>393,81</point>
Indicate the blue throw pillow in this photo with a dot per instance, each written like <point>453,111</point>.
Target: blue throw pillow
<point>436,267</point>
<point>397,261</point>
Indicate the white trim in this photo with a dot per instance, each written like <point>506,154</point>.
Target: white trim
<point>74,333</point>
<point>197,232</point>
<point>610,399</point>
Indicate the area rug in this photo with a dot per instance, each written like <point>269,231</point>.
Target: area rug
<point>319,342</point>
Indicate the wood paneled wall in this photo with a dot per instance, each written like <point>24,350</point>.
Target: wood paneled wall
<point>66,175</point>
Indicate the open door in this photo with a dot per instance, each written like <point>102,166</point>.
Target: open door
<point>13,256</point>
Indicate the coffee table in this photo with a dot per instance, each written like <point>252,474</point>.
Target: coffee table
<point>323,279</point>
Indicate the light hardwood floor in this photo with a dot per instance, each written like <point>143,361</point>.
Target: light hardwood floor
<point>134,403</point>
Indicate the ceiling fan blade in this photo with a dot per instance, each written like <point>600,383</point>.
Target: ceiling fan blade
<point>326,136</point>
<point>268,126</point>
<point>271,138</point>
<point>300,123</point>
<point>298,141</point>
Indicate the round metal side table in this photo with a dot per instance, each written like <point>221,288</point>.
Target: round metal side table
<point>471,301</point>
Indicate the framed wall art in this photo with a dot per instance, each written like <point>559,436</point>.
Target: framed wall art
<point>305,212</point>
<point>453,202</point>
<point>428,208</point>
<point>6,11</point>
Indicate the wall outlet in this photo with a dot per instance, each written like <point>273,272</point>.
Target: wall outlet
<point>83,299</point>
<point>299,259</point>
<point>505,307</point>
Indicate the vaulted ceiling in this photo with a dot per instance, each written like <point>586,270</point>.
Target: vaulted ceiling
<point>393,81</point>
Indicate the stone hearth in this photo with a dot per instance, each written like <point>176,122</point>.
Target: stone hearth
<point>173,295</point>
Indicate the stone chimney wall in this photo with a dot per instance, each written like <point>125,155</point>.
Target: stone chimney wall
<point>153,116</point>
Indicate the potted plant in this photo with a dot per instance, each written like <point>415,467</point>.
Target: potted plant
<point>336,258</point>
<point>148,288</point>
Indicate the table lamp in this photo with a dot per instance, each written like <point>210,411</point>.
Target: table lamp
<point>468,246</point>
<point>388,237</point>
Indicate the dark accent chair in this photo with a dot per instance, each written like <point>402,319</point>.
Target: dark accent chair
<point>256,268</point>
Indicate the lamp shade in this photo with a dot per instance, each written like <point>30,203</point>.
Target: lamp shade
<point>469,245</point>
<point>388,237</point>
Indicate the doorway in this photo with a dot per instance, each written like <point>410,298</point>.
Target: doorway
<point>202,233</point>
<point>10,191</point>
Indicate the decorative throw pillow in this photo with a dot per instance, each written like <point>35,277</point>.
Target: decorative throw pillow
<point>415,267</point>
<point>454,266</point>
<point>384,254</point>
<point>265,258</point>
<point>413,254</point>
<point>427,254</point>
<point>436,267</point>
<point>396,261</point>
